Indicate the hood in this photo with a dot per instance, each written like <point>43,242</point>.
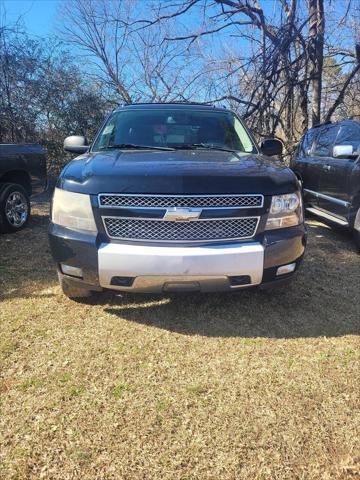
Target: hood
<point>176,172</point>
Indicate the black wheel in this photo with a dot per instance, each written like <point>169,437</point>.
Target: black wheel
<point>357,228</point>
<point>73,290</point>
<point>14,207</point>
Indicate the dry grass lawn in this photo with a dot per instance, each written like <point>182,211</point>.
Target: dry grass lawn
<point>254,385</point>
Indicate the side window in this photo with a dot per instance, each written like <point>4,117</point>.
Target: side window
<point>325,141</point>
<point>349,135</point>
<point>244,137</point>
<point>307,143</point>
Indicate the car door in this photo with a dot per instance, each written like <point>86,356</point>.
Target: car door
<point>335,178</point>
<point>320,155</point>
<point>307,167</point>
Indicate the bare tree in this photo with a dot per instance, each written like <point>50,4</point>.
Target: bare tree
<point>274,77</point>
<point>43,96</point>
<point>346,82</point>
<point>137,63</point>
<point>283,65</point>
<point>316,55</point>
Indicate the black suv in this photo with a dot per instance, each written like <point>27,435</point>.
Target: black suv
<point>327,163</point>
<point>175,197</point>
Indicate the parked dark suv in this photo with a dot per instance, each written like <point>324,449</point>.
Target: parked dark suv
<point>175,197</point>
<point>327,163</point>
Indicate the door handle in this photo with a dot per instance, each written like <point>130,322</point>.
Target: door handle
<point>327,168</point>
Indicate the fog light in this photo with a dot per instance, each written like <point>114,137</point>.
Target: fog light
<point>73,271</point>
<point>289,268</point>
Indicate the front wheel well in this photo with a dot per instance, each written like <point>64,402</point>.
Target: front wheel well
<point>18,176</point>
<point>354,207</point>
<point>298,176</point>
<point>355,202</point>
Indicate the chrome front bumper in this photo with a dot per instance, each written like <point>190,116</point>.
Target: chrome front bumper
<point>158,269</point>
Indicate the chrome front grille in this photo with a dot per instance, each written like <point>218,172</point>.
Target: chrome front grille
<point>107,200</point>
<point>157,230</point>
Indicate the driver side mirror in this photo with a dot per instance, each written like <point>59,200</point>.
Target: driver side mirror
<point>344,151</point>
<point>76,144</point>
<point>270,147</point>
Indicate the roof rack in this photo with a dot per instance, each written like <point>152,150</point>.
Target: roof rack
<point>175,102</point>
<point>329,122</point>
<point>322,124</point>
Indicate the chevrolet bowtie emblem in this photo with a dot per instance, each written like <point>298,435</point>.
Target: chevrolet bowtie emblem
<point>182,214</point>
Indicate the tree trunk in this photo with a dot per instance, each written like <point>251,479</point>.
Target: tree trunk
<point>316,56</point>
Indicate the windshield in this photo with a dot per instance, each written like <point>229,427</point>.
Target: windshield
<point>176,129</point>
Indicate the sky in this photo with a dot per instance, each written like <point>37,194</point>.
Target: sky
<point>39,16</point>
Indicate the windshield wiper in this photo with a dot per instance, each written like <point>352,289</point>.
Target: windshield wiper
<point>129,146</point>
<point>207,146</point>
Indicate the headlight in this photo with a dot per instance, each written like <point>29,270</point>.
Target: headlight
<point>285,211</point>
<point>73,210</point>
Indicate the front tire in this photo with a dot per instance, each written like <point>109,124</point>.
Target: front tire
<point>14,207</point>
<point>357,228</point>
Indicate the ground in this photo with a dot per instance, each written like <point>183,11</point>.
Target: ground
<point>253,385</point>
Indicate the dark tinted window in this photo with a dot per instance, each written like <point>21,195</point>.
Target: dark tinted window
<point>307,142</point>
<point>326,141</point>
<point>174,128</point>
<point>349,135</point>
